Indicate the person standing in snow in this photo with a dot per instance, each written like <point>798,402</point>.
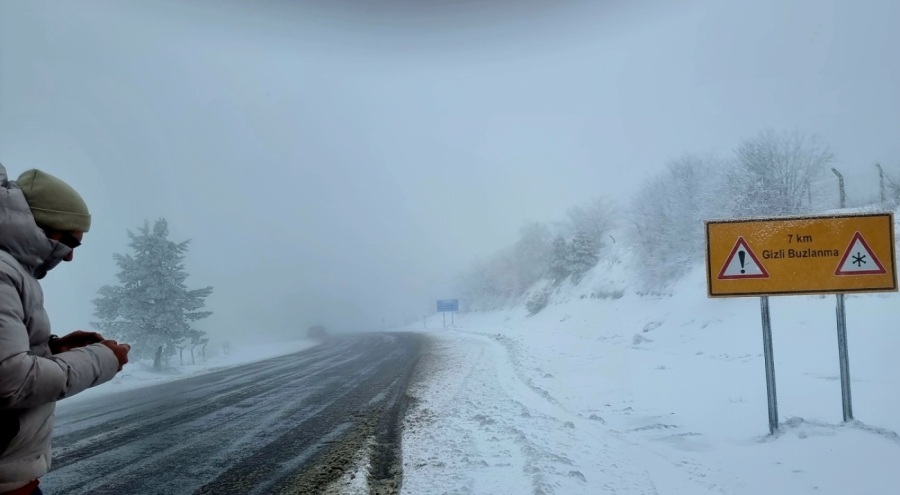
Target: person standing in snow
<point>42,221</point>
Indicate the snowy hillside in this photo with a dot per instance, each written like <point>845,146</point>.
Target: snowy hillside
<point>609,391</point>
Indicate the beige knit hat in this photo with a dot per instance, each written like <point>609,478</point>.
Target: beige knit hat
<point>54,204</point>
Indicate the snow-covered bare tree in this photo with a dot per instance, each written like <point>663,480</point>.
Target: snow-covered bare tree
<point>509,273</point>
<point>486,284</point>
<point>596,219</point>
<point>772,174</point>
<point>532,254</point>
<point>559,259</point>
<point>152,306</point>
<point>667,217</point>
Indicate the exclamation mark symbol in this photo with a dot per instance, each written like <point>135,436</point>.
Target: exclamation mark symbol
<point>742,255</point>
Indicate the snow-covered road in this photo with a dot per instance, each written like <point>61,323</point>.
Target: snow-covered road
<point>291,424</point>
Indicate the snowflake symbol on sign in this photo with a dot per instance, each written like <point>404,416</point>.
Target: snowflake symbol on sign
<point>859,259</point>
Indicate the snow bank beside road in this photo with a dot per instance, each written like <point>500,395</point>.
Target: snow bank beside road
<point>657,395</point>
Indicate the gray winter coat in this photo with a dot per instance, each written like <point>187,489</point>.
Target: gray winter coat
<point>31,378</point>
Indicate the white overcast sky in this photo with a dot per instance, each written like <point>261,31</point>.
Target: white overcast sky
<point>342,161</point>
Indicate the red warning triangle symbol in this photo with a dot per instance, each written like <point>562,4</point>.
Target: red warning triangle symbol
<point>859,259</point>
<point>742,263</point>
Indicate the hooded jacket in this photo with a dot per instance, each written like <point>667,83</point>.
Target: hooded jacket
<point>32,379</point>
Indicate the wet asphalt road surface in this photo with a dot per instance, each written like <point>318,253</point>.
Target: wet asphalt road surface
<point>288,425</point>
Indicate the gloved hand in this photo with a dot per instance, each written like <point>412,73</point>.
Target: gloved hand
<point>78,338</point>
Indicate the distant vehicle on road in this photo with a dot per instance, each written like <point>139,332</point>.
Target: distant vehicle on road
<point>316,332</point>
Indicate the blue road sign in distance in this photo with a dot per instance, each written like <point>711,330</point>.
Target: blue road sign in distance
<point>444,305</point>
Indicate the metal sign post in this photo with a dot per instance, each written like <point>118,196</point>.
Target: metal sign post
<point>770,364</point>
<point>448,305</point>
<point>844,358</point>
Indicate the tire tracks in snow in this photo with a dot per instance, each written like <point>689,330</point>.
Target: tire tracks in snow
<point>638,461</point>
<point>496,405</point>
<point>487,432</point>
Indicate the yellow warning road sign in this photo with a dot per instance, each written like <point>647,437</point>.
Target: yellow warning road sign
<point>801,255</point>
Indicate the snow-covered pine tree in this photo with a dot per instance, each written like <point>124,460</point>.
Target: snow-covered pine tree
<point>582,254</point>
<point>151,306</point>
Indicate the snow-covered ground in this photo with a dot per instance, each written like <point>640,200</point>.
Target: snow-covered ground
<point>141,374</point>
<point>656,395</point>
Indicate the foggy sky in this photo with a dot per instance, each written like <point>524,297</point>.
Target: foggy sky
<point>342,161</point>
